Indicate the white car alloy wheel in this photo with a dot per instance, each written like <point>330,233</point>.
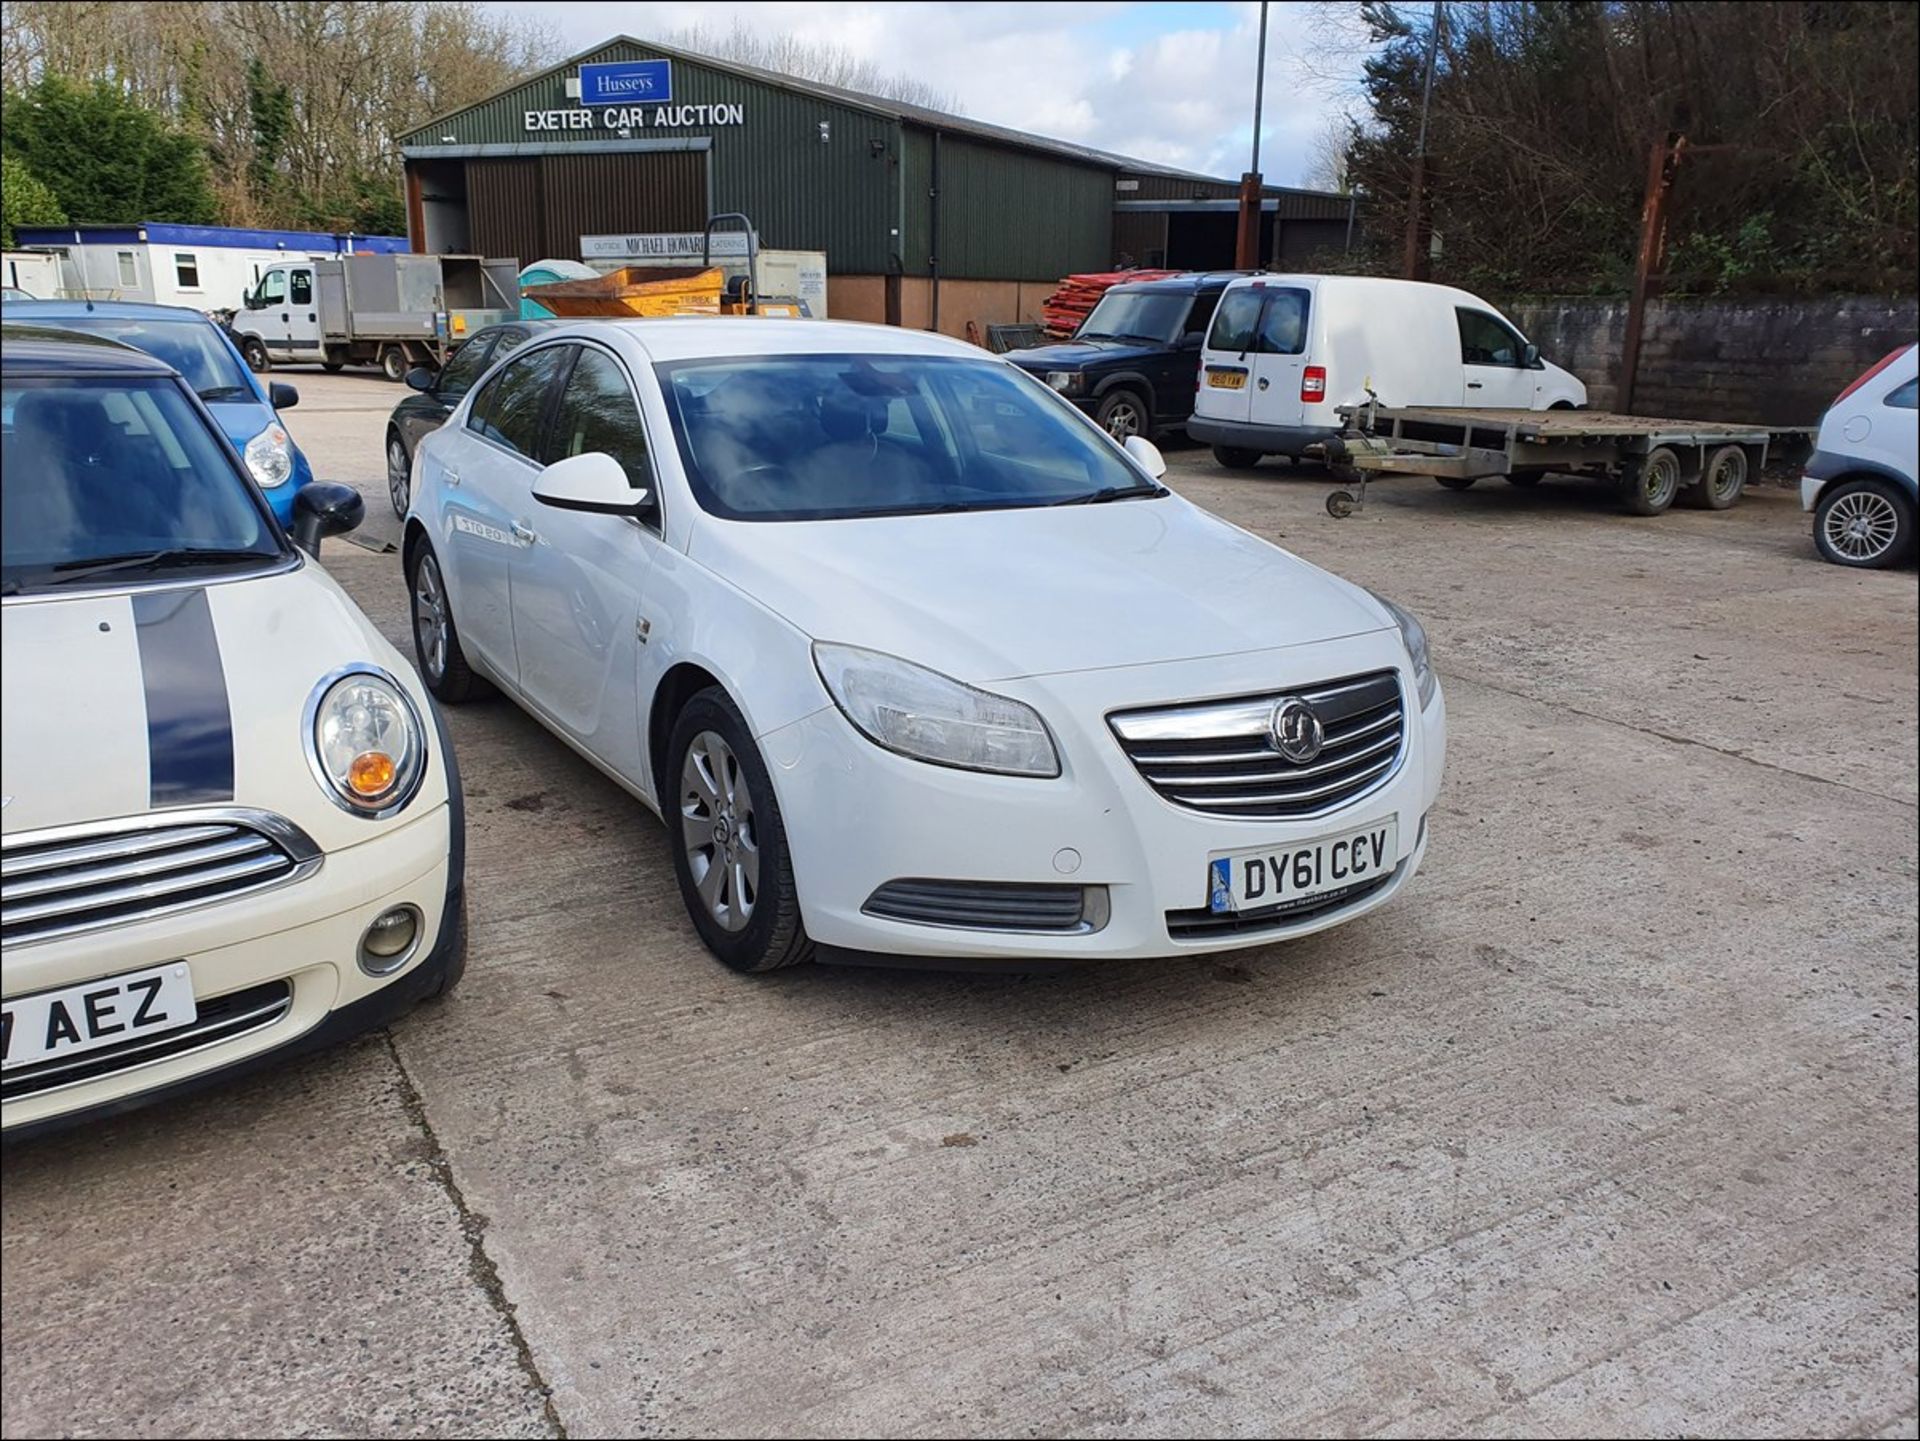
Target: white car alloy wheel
<point>717,829</point>
<point>398,475</point>
<point>430,619</point>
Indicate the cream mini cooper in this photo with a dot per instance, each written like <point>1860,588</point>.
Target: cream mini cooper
<point>232,823</point>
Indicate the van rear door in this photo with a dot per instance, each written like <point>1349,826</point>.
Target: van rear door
<point>1226,369</point>
<point>1280,357</point>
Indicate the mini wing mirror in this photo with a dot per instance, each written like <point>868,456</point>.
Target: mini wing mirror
<point>1147,455</point>
<point>1530,356</point>
<point>323,510</point>
<point>422,377</point>
<point>594,482</point>
<point>282,396</point>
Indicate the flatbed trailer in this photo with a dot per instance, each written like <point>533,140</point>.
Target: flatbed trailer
<point>1655,462</point>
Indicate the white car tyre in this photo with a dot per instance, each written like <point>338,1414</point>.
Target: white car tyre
<point>1866,524</point>
<point>729,843</point>
<point>436,639</point>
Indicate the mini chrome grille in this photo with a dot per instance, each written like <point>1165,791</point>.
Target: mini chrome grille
<point>1220,757</point>
<point>80,877</point>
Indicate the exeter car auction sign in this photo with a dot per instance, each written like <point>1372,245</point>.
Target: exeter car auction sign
<point>628,95</point>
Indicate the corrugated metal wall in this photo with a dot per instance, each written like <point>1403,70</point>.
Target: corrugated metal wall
<point>1007,214</point>
<point>503,211</point>
<point>803,192</point>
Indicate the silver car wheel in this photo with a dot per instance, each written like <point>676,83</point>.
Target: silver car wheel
<point>1862,525</point>
<point>717,829</point>
<point>430,616</point>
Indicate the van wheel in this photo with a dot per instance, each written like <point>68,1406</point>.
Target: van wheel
<point>1123,413</point>
<point>1653,482</point>
<point>1234,458</point>
<point>1863,523</point>
<point>1457,482</point>
<point>393,363</point>
<point>729,843</point>
<point>1524,478</point>
<point>255,354</point>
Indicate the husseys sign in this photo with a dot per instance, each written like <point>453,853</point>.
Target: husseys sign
<point>630,95</point>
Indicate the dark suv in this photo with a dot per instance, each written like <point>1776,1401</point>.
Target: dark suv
<point>1132,362</point>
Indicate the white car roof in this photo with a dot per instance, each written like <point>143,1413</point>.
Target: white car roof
<point>697,337</point>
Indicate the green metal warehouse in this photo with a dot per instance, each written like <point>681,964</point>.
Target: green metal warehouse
<point>926,219</point>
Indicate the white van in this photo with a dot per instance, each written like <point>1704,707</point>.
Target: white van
<point>1286,350</point>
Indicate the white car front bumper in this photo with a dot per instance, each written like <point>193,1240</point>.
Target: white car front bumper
<point>858,817</point>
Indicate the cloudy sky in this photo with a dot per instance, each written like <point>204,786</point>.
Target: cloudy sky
<point>1166,82</point>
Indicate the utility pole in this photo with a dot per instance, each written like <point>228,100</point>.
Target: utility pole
<point>1246,240</point>
<point>1413,264</point>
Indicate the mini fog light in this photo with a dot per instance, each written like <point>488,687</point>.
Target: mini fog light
<point>389,941</point>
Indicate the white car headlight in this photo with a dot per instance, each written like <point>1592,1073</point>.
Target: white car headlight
<point>932,717</point>
<point>1415,636</point>
<point>364,741</point>
<point>269,455</point>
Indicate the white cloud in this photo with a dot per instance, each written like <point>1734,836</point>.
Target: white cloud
<point>1168,83</point>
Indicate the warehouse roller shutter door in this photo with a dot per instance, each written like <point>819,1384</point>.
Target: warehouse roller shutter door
<point>537,207</point>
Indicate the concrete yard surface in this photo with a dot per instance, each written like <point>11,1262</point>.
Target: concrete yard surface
<point>1606,1125</point>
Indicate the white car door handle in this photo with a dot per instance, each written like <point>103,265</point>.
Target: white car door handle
<point>1473,385</point>
<point>451,477</point>
<point>524,533</point>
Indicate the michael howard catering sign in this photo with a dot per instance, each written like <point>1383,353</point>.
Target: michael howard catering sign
<point>621,82</point>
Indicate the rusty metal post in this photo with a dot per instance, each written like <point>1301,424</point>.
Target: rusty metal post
<point>1662,165</point>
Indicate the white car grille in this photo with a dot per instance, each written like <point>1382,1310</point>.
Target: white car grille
<point>1219,757</point>
<point>77,878</point>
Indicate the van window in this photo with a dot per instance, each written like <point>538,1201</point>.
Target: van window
<point>1265,321</point>
<point>509,409</point>
<point>273,287</point>
<point>1485,340</point>
<point>1283,325</point>
<point>302,287</point>
<point>1234,321</point>
<point>1905,397</point>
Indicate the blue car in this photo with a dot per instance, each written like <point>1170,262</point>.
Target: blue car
<point>248,413</point>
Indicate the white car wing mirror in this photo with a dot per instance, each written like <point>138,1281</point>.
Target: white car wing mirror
<point>593,482</point>
<point>1147,455</point>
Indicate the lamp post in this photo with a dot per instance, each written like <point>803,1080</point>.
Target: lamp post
<point>1414,262</point>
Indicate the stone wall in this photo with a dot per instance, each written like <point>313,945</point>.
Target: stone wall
<point>1759,361</point>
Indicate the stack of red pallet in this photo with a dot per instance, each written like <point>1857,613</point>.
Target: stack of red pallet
<point>1062,311</point>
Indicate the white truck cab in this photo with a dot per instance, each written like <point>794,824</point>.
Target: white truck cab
<point>1285,351</point>
<point>281,315</point>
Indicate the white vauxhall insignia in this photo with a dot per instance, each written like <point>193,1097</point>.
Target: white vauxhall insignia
<point>910,656</point>
<point>232,830</point>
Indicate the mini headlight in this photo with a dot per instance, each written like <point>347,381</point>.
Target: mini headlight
<point>932,717</point>
<point>269,455</point>
<point>364,742</point>
<point>1415,636</point>
<point>1067,382</point>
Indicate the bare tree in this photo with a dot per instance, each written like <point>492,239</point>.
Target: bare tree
<point>805,60</point>
<point>1326,167</point>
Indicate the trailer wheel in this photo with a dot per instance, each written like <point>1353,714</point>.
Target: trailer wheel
<point>1652,482</point>
<point>1457,482</point>
<point>393,363</point>
<point>1722,479</point>
<point>254,351</point>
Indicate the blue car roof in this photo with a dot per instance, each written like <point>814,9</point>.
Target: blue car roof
<point>45,350</point>
<point>105,309</point>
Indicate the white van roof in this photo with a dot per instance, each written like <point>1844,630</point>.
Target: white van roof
<point>1315,282</point>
